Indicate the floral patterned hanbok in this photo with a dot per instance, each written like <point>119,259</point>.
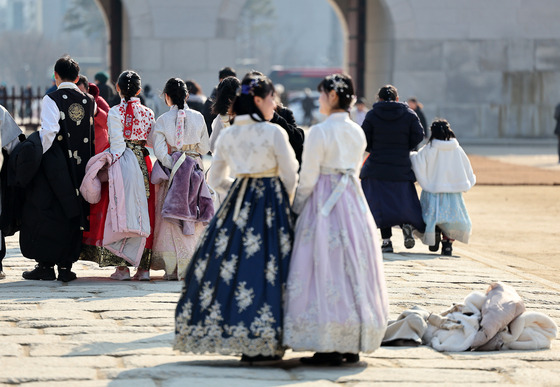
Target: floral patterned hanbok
<point>231,302</point>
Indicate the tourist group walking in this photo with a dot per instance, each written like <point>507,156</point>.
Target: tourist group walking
<point>277,243</point>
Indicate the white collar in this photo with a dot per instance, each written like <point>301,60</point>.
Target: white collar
<point>244,119</point>
<point>68,85</point>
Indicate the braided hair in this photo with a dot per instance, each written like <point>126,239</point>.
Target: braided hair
<point>441,130</point>
<point>176,90</point>
<point>129,84</point>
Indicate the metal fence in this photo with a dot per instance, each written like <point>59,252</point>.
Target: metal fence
<point>25,107</point>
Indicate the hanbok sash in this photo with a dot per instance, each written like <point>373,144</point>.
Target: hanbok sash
<point>347,174</point>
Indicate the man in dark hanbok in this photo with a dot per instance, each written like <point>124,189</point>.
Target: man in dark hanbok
<point>54,212</point>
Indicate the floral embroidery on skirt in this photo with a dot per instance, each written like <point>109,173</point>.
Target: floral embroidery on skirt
<point>231,302</point>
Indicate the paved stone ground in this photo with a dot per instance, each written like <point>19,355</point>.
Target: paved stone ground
<point>99,332</point>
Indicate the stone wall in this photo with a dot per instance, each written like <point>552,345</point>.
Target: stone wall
<point>203,44</point>
<point>491,68</point>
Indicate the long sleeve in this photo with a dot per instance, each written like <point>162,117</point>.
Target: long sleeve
<point>9,130</point>
<point>116,137</point>
<point>416,133</point>
<point>160,144</point>
<point>368,131</point>
<point>287,162</point>
<point>310,168</point>
<point>218,176</point>
<point>204,146</point>
<point>49,122</point>
<point>295,135</point>
<point>217,126</point>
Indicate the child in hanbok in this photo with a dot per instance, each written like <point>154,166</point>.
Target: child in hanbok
<point>336,299</point>
<point>231,302</point>
<point>444,172</point>
<point>180,140</point>
<point>129,125</point>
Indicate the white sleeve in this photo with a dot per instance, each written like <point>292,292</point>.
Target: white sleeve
<point>116,136</point>
<point>218,176</point>
<point>204,146</point>
<point>9,130</point>
<point>217,126</point>
<point>50,115</point>
<point>310,167</point>
<point>160,144</point>
<point>287,162</point>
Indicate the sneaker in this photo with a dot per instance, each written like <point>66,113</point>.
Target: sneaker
<point>387,247</point>
<point>121,274</point>
<point>66,275</point>
<point>407,234</point>
<point>141,275</point>
<point>446,248</point>
<point>2,275</point>
<point>435,247</point>
<point>44,273</point>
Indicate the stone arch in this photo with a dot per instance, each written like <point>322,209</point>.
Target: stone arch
<point>111,11</point>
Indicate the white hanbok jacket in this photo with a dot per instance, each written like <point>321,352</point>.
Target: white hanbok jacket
<point>251,147</point>
<point>443,166</point>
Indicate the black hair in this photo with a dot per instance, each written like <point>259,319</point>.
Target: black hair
<point>193,87</point>
<point>176,89</point>
<point>129,83</point>
<point>388,93</point>
<point>226,72</point>
<point>225,95</point>
<point>255,73</point>
<point>441,130</point>
<point>342,85</point>
<point>82,80</point>
<point>67,68</point>
<point>252,86</point>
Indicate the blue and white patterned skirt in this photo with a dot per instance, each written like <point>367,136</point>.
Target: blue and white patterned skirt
<point>449,213</point>
<point>231,302</point>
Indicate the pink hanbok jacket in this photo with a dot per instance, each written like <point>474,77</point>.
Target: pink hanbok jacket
<point>128,222</point>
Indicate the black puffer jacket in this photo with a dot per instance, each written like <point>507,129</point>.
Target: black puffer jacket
<point>392,130</point>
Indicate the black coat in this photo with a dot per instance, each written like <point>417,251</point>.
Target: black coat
<point>285,118</point>
<point>50,225</point>
<point>392,130</point>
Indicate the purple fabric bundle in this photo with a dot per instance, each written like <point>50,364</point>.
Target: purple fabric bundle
<point>188,198</point>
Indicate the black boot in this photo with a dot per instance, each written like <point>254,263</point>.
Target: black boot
<point>41,272</point>
<point>65,274</point>
<point>435,247</point>
<point>446,248</point>
<point>323,358</point>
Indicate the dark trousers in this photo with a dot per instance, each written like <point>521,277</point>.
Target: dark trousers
<point>386,232</point>
<point>2,251</point>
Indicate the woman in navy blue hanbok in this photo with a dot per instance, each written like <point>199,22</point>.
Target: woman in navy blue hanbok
<point>231,301</point>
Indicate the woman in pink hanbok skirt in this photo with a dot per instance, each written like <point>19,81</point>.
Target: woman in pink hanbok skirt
<point>336,300</point>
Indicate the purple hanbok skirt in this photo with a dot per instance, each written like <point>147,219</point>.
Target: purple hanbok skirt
<point>336,299</point>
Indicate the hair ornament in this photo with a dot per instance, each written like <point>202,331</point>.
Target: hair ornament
<point>337,83</point>
<point>248,89</point>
